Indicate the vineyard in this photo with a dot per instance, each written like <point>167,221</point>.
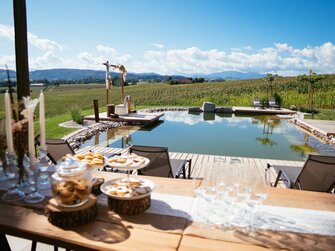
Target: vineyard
<point>59,100</point>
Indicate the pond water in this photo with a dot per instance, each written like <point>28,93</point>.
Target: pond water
<point>220,134</point>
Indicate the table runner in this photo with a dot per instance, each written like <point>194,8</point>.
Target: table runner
<point>281,218</point>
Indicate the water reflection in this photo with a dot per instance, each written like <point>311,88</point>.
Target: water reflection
<point>304,148</point>
<point>268,125</point>
<point>220,134</point>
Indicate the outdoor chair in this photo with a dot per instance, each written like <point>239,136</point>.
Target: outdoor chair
<point>160,163</point>
<point>123,109</point>
<point>257,102</point>
<point>317,174</point>
<point>272,103</point>
<point>57,148</point>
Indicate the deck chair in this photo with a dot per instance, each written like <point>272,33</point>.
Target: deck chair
<point>317,174</point>
<point>160,163</point>
<point>57,148</point>
<point>272,103</point>
<point>257,102</point>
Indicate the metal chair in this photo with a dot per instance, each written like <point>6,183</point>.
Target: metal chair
<point>160,163</point>
<point>57,148</point>
<point>257,102</point>
<point>273,103</point>
<point>317,174</point>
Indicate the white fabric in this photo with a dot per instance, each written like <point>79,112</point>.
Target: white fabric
<point>280,218</point>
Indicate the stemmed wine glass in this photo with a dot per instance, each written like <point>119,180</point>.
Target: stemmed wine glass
<point>127,139</point>
<point>35,196</point>
<point>43,165</point>
<point>13,193</point>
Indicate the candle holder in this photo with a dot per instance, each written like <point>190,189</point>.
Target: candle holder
<point>35,196</point>
<point>13,193</point>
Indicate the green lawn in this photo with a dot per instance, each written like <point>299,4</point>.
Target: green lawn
<point>324,114</point>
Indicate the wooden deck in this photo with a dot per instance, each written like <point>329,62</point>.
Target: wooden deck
<point>325,127</point>
<point>201,163</point>
<point>132,118</point>
<point>258,110</point>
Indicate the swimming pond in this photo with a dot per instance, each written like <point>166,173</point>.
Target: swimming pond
<point>220,134</point>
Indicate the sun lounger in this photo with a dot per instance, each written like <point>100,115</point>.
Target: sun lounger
<point>257,102</point>
<point>317,174</point>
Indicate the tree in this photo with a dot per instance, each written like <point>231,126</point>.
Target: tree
<point>269,79</point>
<point>312,79</point>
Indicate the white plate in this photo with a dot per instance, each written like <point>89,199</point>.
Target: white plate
<point>130,163</point>
<point>148,183</point>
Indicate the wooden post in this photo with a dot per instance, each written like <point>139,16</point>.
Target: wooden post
<point>21,49</point>
<point>122,90</point>
<point>96,110</point>
<point>107,101</point>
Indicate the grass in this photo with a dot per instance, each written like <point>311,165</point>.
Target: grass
<point>324,114</point>
<point>60,100</point>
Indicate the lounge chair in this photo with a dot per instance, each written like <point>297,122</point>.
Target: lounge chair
<point>257,102</point>
<point>160,163</point>
<point>273,103</point>
<point>57,148</point>
<point>317,174</point>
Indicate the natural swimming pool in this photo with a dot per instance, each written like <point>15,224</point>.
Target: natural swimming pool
<point>220,134</point>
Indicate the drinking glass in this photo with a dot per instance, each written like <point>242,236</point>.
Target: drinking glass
<point>43,165</point>
<point>12,174</point>
<point>35,196</point>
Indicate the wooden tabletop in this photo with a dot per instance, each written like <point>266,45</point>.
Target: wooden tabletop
<point>110,231</point>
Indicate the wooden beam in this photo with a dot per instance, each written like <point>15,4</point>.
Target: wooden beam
<point>21,49</point>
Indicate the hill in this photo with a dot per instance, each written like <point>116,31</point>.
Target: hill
<point>78,74</point>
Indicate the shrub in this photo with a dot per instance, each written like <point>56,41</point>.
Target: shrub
<point>278,98</point>
<point>76,115</point>
<point>313,111</point>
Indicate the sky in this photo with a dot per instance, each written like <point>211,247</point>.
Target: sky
<point>285,37</point>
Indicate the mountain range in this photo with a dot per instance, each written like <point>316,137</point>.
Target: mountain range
<point>77,74</point>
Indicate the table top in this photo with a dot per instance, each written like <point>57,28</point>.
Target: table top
<point>110,231</point>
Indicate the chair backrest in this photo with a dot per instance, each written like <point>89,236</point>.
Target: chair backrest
<point>159,165</point>
<point>318,174</point>
<point>257,100</point>
<point>272,101</point>
<point>57,148</point>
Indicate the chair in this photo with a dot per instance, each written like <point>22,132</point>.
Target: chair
<point>272,103</point>
<point>160,163</point>
<point>317,174</point>
<point>257,102</point>
<point>123,109</point>
<point>57,148</point>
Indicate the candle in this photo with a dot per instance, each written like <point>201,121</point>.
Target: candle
<point>42,122</point>
<point>31,137</point>
<point>9,133</point>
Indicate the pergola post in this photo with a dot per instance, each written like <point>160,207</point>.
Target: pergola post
<point>21,49</point>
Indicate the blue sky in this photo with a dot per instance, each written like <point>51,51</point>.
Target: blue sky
<point>176,36</point>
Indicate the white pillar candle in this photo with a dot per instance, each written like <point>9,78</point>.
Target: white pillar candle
<point>31,138</point>
<point>9,133</point>
<point>42,122</point>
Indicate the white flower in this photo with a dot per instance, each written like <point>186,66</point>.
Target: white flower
<point>30,103</point>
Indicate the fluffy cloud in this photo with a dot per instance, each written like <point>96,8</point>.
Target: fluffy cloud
<point>157,45</point>
<point>7,32</point>
<point>281,58</point>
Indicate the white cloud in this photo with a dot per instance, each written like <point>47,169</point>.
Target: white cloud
<point>7,32</point>
<point>282,58</point>
<point>157,45</point>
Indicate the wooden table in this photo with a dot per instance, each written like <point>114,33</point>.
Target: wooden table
<point>110,231</point>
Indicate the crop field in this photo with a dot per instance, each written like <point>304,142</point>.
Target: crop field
<point>59,100</point>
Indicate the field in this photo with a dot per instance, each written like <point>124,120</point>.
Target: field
<point>60,100</point>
